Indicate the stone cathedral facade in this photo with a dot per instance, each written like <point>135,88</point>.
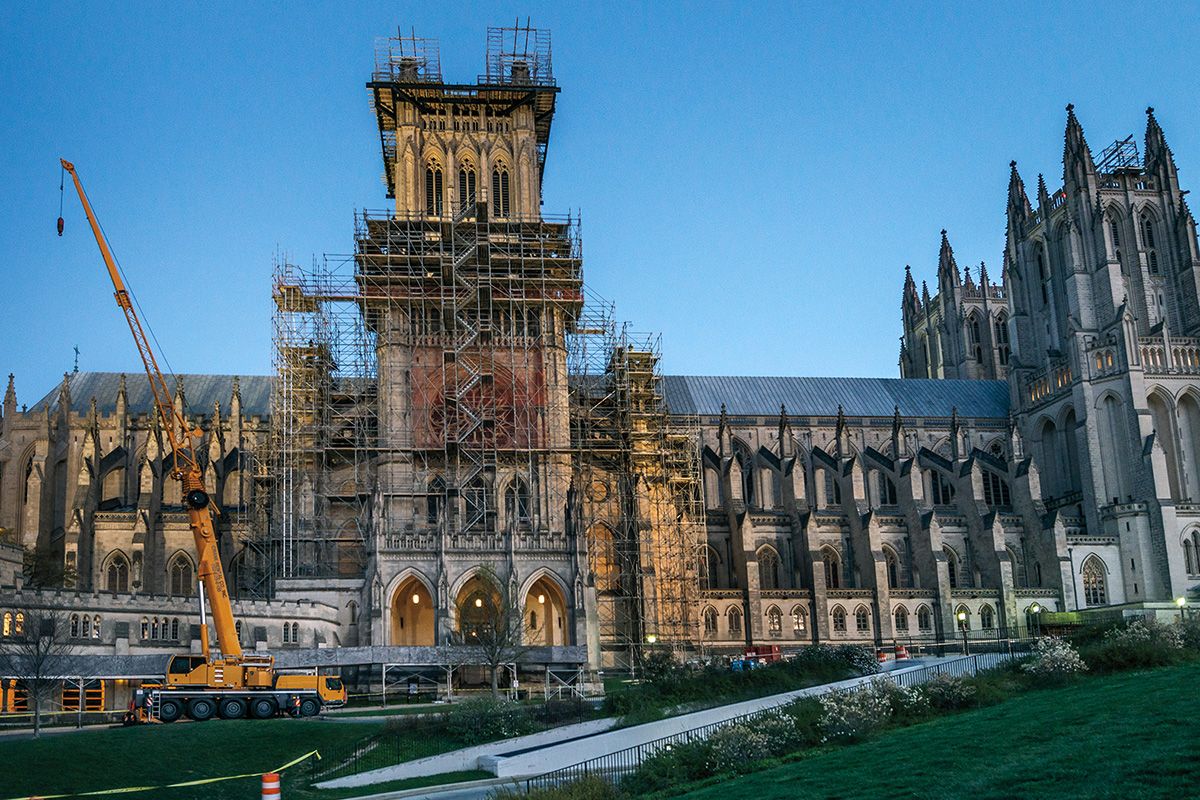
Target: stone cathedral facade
<point>1040,449</point>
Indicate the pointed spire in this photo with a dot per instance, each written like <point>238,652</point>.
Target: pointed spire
<point>122,388</point>
<point>1018,200</point>
<point>64,394</point>
<point>1043,195</point>
<point>1158,155</point>
<point>925,299</point>
<point>724,436</point>
<point>983,275</point>
<point>911,303</point>
<point>897,428</point>
<point>10,396</point>
<point>93,411</point>
<point>948,274</point>
<point>967,280</point>
<point>1077,158</point>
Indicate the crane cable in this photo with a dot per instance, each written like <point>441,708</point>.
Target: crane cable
<point>62,175</point>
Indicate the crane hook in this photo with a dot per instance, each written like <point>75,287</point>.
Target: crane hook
<point>62,174</point>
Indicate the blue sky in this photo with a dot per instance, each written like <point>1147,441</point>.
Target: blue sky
<point>752,179</point>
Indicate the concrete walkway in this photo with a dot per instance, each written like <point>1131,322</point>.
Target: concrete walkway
<point>572,744</point>
<point>470,758</point>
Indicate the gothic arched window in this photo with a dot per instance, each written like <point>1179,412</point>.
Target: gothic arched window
<point>95,626</point>
<point>475,504</point>
<point>516,502</point>
<point>116,573</point>
<point>862,619</point>
<point>987,618</point>
<point>1095,583</point>
<point>974,336</point>
<point>951,566</point>
<point>924,619</point>
<point>893,568</point>
<point>839,619</point>
<point>500,206</point>
<point>1000,331</point>
<point>734,617</point>
<point>774,621</point>
<point>466,185</point>
<point>710,621</point>
<point>435,500</point>
<point>901,618</point>
<point>799,620</point>
<point>710,567</point>
<point>434,189</point>
<point>833,568</point>
<point>182,575</point>
<point>1148,241</point>
<point>768,568</point>
<point>995,490</point>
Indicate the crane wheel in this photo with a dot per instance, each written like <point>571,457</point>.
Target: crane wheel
<point>201,709</point>
<point>262,708</point>
<point>169,710</point>
<point>309,707</point>
<point>232,708</point>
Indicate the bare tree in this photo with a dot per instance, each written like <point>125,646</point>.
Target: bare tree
<point>34,652</point>
<point>491,623</point>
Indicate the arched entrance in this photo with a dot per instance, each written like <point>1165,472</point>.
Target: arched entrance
<point>481,609</point>
<point>545,611</point>
<point>412,615</point>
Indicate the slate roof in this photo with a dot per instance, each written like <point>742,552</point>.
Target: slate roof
<point>200,391</point>
<point>859,397</point>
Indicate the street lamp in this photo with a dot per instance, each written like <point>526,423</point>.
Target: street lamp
<point>962,626</point>
<point>1036,610</point>
<point>651,639</point>
<point>1181,602</point>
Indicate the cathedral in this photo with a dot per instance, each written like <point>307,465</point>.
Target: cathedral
<point>450,400</point>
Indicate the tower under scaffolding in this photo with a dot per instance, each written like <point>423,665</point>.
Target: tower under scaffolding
<point>445,398</point>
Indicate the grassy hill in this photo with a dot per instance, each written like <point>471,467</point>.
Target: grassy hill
<point>1129,735</point>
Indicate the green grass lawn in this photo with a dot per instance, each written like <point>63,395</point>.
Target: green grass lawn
<point>1130,735</point>
<point>153,755</point>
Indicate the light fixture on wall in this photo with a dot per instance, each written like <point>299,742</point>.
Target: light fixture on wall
<point>479,602</point>
<point>542,599</point>
<point>416,599</point>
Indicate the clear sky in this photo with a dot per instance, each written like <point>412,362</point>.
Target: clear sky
<point>752,179</point>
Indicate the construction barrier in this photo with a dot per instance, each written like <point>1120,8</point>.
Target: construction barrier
<point>270,786</point>
<point>901,653</point>
<point>881,654</point>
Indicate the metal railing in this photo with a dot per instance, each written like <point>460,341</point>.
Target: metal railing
<point>613,766</point>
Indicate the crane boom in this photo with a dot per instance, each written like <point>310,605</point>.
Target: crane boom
<point>182,438</point>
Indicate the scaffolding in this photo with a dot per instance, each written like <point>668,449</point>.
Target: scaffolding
<point>641,501</point>
<point>445,392</point>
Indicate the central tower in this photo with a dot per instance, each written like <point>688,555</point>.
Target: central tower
<point>469,290</point>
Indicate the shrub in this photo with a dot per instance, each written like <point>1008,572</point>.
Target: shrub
<point>588,788</point>
<point>854,713</point>
<point>1055,659</point>
<point>806,719</point>
<point>1141,643</point>
<point>483,719</point>
<point>555,712</point>
<point>907,704</point>
<point>674,764</point>
<point>735,748</point>
<point>1189,631</point>
<point>949,692</point>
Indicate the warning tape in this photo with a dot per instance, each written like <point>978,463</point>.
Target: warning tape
<point>197,782</point>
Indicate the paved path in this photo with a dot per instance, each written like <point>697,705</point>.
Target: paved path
<point>469,758</point>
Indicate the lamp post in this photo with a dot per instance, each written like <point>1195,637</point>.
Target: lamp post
<point>1181,602</point>
<point>1037,618</point>
<point>962,626</point>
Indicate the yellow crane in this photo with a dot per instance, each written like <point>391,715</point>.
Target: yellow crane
<point>234,684</point>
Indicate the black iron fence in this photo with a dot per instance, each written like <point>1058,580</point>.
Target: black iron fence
<point>613,766</point>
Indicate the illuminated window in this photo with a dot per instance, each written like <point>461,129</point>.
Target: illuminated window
<point>799,620</point>
<point>1095,584</point>
<point>774,621</point>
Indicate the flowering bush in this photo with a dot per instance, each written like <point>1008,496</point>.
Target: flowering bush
<point>910,702</point>
<point>1189,631</point>
<point>949,692</point>
<point>1141,643</point>
<point>853,713</point>
<point>1054,658</point>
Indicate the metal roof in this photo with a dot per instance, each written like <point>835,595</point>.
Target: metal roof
<point>859,397</point>
<point>200,391</point>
